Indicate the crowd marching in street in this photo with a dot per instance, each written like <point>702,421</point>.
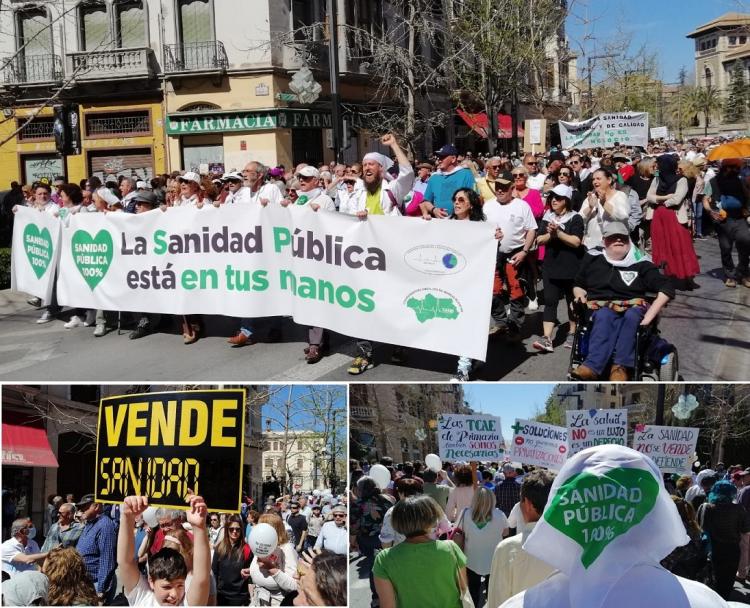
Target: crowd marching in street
<point>605,227</point>
<point>491,535</point>
<point>290,552</point>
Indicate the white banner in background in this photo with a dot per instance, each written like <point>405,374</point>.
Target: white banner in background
<point>604,130</point>
<point>592,427</point>
<point>463,438</point>
<point>539,444</point>
<point>36,247</point>
<point>396,280</point>
<point>670,447</point>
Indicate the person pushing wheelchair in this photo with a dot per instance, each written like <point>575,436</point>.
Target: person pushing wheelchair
<point>613,283</point>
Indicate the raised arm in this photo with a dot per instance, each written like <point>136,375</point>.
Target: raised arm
<point>201,583</point>
<point>129,573</point>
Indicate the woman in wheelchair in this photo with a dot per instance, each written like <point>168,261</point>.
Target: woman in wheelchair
<point>613,284</point>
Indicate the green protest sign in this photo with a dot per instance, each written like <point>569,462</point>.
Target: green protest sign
<point>38,248</point>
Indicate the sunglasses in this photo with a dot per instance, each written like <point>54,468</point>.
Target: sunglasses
<point>233,529</point>
<point>494,166</point>
<point>304,178</point>
<point>339,514</point>
<point>565,173</point>
<point>517,175</point>
<point>575,162</point>
<point>532,163</point>
<point>460,199</point>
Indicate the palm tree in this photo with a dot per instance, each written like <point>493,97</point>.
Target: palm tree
<point>705,100</point>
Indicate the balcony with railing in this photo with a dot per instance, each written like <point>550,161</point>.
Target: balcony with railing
<point>208,56</point>
<point>31,69</point>
<point>112,64</point>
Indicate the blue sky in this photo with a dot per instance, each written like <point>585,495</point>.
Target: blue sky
<point>660,24</point>
<point>300,417</point>
<point>509,401</point>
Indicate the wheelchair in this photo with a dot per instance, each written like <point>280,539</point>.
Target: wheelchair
<point>656,359</point>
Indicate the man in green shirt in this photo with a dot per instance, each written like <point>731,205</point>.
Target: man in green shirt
<point>437,492</point>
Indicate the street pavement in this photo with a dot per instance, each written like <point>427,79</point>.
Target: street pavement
<point>359,589</point>
<point>709,326</point>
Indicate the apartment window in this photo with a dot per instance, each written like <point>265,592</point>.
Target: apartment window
<point>39,128</point>
<point>732,40</point>
<point>31,24</point>
<point>94,23</point>
<point>708,76</point>
<point>85,393</point>
<point>269,463</point>
<point>130,24</point>
<point>195,21</point>
<point>636,397</point>
<point>300,464</point>
<point>118,123</point>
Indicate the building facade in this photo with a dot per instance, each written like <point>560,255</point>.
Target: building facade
<point>589,396</point>
<point>399,420</point>
<point>719,44</point>
<point>300,460</point>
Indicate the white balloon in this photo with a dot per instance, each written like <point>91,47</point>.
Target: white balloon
<point>433,462</point>
<point>381,475</point>
<point>263,539</point>
<point>149,516</point>
<point>316,492</point>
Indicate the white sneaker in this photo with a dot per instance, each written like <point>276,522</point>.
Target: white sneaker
<point>75,321</point>
<point>46,317</point>
<point>533,304</point>
<point>100,330</point>
<point>90,318</point>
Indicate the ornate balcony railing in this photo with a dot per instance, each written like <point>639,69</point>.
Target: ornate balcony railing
<point>26,69</point>
<point>195,57</point>
<point>114,63</point>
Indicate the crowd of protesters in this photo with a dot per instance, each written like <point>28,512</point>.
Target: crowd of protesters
<point>99,554</point>
<point>429,538</point>
<point>551,213</point>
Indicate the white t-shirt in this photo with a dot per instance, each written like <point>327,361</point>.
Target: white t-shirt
<point>267,191</point>
<point>536,182</point>
<point>13,547</point>
<point>481,542</point>
<point>513,218</point>
<point>333,538</point>
<point>142,595</point>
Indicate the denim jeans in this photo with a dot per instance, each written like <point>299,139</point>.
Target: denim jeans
<point>613,337</point>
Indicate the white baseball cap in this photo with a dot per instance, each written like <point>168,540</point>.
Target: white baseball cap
<point>308,171</point>
<point>190,176</point>
<point>563,190</point>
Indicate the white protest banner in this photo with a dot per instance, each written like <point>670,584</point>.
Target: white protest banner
<point>470,438</point>
<point>670,447</point>
<point>659,132</point>
<point>390,279</point>
<point>587,428</point>
<point>36,249</point>
<point>604,130</point>
<point>539,444</point>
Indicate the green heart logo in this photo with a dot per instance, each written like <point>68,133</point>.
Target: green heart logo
<point>38,246</point>
<point>593,510</point>
<point>92,255</point>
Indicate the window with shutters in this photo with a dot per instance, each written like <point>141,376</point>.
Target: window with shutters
<point>195,19</point>
<point>130,24</point>
<point>269,463</point>
<point>94,23</point>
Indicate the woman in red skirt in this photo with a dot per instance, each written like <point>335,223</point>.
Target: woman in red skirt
<point>671,242</point>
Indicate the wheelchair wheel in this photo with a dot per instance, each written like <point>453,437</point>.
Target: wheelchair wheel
<point>669,371</point>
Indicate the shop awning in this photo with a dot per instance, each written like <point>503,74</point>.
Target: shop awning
<point>27,446</point>
<point>479,123</point>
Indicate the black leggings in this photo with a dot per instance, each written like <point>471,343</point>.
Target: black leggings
<point>477,587</point>
<point>554,291</point>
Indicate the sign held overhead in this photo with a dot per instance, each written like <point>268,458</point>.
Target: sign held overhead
<point>167,445</point>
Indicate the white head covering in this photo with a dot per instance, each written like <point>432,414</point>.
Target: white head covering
<point>607,512</point>
<point>379,158</point>
<point>107,196</point>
